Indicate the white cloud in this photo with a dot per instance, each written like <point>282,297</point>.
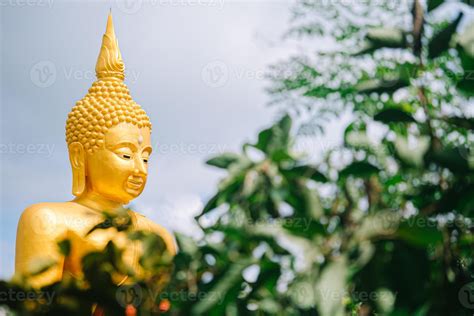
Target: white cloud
<point>176,213</point>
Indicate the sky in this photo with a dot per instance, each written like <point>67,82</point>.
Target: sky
<point>197,67</point>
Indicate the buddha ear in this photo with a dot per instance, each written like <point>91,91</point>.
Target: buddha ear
<point>77,158</point>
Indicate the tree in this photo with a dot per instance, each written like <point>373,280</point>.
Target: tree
<point>390,217</point>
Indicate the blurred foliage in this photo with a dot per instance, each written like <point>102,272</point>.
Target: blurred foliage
<point>97,289</point>
<point>381,225</point>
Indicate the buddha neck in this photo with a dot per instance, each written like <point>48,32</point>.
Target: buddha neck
<point>98,203</point>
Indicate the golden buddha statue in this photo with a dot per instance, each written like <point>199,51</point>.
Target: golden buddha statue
<point>108,137</point>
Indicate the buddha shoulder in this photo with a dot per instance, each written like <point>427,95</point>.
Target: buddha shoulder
<point>43,216</point>
<point>53,207</point>
<point>50,218</point>
<point>145,223</point>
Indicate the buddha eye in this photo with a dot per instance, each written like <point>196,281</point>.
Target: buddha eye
<point>124,153</point>
<point>145,160</point>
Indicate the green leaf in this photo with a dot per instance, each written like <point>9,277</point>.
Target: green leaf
<point>388,81</point>
<point>65,247</point>
<point>383,223</point>
<point>412,154</point>
<point>358,140</point>
<point>467,240</point>
<point>276,138</point>
<point>221,293</point>
<point>466,86</point>
<point>419,231</point>
<point>393,116</point>
<point>285,125</point>
<point>107,223</point>
<point>319,92</point>
<point>377,38</point>
<point>387,37</point>
<point>355,136</point>
<point>304,171</point>
<point>98,267</point>
<point>121,221</point>
<point>407,71</point>
<point>270,306</point>
<point>466,46</point>
<point>460,198</point>
<point>224,160</point>
<point>441,41</point>
<point>318,177</point>
<point>389,84</point>
<point>264,139</point>
<point>331,288</point>
<point>302,293</point>
<point>359,169</point>
<point>252,182</point>
<point>303,227</point>
<point>154,252</point>
<point>267,278</point>
<point>433,4</point>
<point>453,158</point>
<point>463,122</point>
<point>211,204</point>
<point>313,208</point>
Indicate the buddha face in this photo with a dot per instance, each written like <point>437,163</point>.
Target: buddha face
<point>118,170</point>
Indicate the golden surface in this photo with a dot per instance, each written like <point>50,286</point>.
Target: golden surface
<point>108,137</point>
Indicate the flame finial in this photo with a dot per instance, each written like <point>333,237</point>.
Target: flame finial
<point>109,63</point>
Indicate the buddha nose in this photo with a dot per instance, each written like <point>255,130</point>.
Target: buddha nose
<point>140,167</point>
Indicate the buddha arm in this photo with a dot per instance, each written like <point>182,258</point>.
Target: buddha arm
<point>36,240</point>
<point>148,225</point>
<point>167,237</point>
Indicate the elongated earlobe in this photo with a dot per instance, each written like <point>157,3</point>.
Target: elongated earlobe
<point>77,159</point>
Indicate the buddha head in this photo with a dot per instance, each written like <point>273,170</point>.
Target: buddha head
<point>108,134</point>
